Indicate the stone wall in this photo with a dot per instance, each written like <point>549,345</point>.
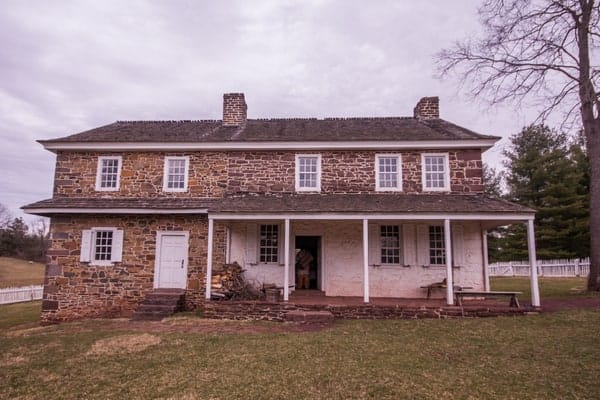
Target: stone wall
<point>141,174</point>
<point>260,310</point>
<point>75,290</point>
<point>214,174</point>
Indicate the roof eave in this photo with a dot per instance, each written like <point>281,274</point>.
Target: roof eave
<point>482,144</point>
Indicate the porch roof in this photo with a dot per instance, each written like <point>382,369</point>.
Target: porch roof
<point>368,203</point>
<point>297,204</point>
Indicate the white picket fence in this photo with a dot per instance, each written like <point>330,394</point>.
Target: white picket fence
<point>20,294</point>
<point>550,268</point>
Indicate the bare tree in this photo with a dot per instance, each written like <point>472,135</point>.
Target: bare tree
<point>543,52</point>
<point>5,216</point>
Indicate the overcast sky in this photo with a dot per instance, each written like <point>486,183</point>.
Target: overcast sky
<point>69,66</point>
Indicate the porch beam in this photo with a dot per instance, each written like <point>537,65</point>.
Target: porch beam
<point>209,256</point>
<point>286,257</point>
<point>535,290</point>
<point>448,249</point>
<point>486,270</point>
<point>366,260</point>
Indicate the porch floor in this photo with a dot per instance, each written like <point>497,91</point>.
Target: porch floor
<point>318,298</point>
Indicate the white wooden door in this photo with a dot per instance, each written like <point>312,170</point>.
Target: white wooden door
<point>171,260</point>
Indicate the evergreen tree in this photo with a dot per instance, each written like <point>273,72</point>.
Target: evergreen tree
<point>549,174</point>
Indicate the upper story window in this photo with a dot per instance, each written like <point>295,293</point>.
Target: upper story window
<point>437,245</point>
<point>436,172</point>
<point>388,172</point>
<point>108,175</point>
<point>390,244</point>
<point>268,246</point>
<point>176,174</point>
<point>308,172</point>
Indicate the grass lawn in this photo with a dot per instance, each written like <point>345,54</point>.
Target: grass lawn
<point>549,287</point>
<point>15,272</point>
<point>548,356</point>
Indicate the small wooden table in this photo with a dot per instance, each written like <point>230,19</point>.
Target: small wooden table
<point>513,301</point>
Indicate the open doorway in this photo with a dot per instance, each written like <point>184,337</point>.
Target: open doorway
<point>308,262</point>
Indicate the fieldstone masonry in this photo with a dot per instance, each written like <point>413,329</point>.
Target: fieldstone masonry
<point>75,290</point>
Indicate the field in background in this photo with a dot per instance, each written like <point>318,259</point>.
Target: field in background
<point>549,287</point>
<point>15,272</point>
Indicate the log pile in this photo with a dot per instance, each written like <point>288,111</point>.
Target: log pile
<point>227,282</point>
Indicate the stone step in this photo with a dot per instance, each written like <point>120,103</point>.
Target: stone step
<point>309,316</point>
<point>158,304</point>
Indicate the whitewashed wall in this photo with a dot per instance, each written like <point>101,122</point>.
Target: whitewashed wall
<point>341,263</point>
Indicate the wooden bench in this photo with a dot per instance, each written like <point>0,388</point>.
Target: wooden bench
<point>513,302</point>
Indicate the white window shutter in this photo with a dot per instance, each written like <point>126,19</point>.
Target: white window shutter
<point>280,243</point>
<point>458,245</point>
<point>374,244</point>
<point>422,245</point>
<point>86,246</point>
<point>409,244</point>
<point>251,243</point>
<point>116,254</point>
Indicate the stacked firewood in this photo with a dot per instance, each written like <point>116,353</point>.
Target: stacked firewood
<point>228,282</point>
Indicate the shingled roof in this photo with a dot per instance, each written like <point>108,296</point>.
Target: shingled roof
<point>277,130</point>
<point>291,203</point>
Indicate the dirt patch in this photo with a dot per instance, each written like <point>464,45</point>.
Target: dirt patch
<point>9,361</point>
<point>123,344</point>
<point>201,325</point>
<point>554,305</point>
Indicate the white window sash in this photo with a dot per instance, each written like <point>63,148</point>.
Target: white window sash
<point>99,174</point>
<point>446,172</point>
<point>166,174</point>
<point>398,174</point>
<point>317,187</point>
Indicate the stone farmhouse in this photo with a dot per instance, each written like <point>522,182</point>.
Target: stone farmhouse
<point>382,205</point>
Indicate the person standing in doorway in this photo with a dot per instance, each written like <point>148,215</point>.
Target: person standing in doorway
<point>303,260</point>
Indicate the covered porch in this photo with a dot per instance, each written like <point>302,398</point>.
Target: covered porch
<point>349,228</point>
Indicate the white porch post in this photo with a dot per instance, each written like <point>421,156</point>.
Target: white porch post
<point>486,271</point>
<point>286,257</point>
<point>366,259</point>
<point>448,247</point>
<point>535,290</point>
<point>209,253</point>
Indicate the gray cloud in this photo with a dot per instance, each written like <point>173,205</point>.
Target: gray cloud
<point>68,66</point>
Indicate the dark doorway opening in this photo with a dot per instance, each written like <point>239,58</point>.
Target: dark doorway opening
<point>312,246</point>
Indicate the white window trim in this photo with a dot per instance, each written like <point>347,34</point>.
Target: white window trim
<point>166,174</point>
<point>446,187</point>
<point>99,188</point>
<point>91,247</point>
<point>400,248</point>
<point>297,174</point>
<point>399,173</point>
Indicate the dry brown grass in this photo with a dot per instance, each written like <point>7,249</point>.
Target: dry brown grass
<point>15,272</point>
<point>124,344</point>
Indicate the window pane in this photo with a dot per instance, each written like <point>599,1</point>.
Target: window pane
<point>307,172</point>
<point>390,244</point>
<point>435,172</point>
<point>269,243</point>
<point>103,245</point>
<point>388,171</point>
<point>109,170</point>
<point>176,174</point>
<point>437,245</point>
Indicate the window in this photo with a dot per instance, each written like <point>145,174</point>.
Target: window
<point>175,178</point>
<point>388,172</point>
<point>101,246</point>
<point>108,173</point>
<point>390,244</point>
<point>437,247</point>
<point>269,244</point>
<point>308,173</point>
<point>436,172</point>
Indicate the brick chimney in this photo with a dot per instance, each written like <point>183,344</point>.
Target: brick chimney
<point>427,107</point>
<point>234,109</point>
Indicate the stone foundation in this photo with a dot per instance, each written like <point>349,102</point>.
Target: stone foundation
<point>265,311</point>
